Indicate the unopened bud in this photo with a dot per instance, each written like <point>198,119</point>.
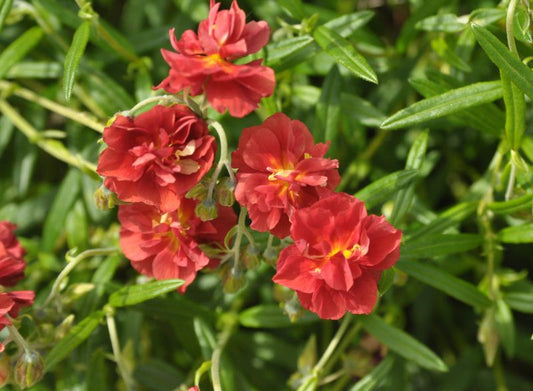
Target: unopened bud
<point>199,191</point>
<point>225,192</point>
<point>5,369</point>
<point>206,210</point>
<point>271,256</point>
<point>251,257</point>
<point>104,198</point>
<point>234,282</point>
<point>29,369</point>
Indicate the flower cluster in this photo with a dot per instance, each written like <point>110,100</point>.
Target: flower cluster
<point>283,179</point>
<point>204,61</point>
<point>12,267</point>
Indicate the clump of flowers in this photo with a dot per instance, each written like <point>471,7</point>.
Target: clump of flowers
<point>204,62</point>
<point>337,257</point>
<point>281,169</point>
<point>11,271</point>
<point>156,156</point>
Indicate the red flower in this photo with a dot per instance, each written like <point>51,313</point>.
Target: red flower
<point>157,156</point>
<point>10,304</point>
<point>204,61</point>
<point>167,246</point>
<point>11,252</point>
<point>337,257</point>
<point>280,169</point>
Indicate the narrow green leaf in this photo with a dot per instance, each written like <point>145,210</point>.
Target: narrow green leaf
<point>205,337</point>
<point>65,198</point>
<point>5,7</point>
<point>294,8</point>
<point>447,103</point>
<point>135,294</point>
<point>448,23</point>
<point>515,109</point>
<point>73,339</point>
<point>520,301</point>
<point>35,70</point>
<point>385,187</point>
<point>518,72</point>
<point>361,110</point>
<point>18,49</point>
<point>517,234</point>
<point>449,218</point>
<point>328,109</point>
<point>344,53</point>
<point>346,25</point>
<point>73,57</point>
<point>402,343</point>
<point>431,246</point>
<point>288,51</point>
<point>378,376</point>
<point>486,16</point>
<point>415,158</point>
<point>506,327</point>
<point>270,316</point>
<point>441,280</point>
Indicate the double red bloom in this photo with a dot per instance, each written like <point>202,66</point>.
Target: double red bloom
<point>11,271</point>
<point>203,62</point>
<point>337,257</point>
<point>280,169</point>
<point>167,245</point>
<point>157,156</point>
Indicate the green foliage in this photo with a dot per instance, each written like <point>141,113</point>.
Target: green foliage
<point>425,104</point>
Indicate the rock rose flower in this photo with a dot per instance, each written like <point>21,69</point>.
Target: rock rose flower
<point>166,246</point>
<point>204,61</point>
<point>280,169</point>
<point>337,257</point>
<point>11,270</point>
<point>156,156</point>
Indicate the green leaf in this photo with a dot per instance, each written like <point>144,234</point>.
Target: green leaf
<point>55,221</point>
<point>328,109</point>
<point>441,280</point>
<point>73,339</point>
<point>404,198</point>
<point>448,23</point>
<point>518,72</point>
<point>5,7</point>
<point>18,49</point>
<point>135,294</point>
<point>385,187</point>
<point>344,53</point>
<point>35,70</point>
<point>444,104</point>
<point>402,343</point>
<point>346,25</point>
<point>361,110</point>
<point>73,57</point>
<point>449,218</point>
<point>282,54</point>
<point>294,8</point>
<point>515,108</point>
<point>431,246</point>
<point>520,300</point>
<point>378,376</point>
<point>205,337</point>
<point>271,317</point>
<point>517,234</point>
<point>486,16</point>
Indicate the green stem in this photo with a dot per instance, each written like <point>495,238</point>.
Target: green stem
<point>54,148</point>
<point>241,228</point>
<point>152,99</point>
<point>115,45</point>
<point>509,27</point>
<point>129,382</point>
<point>73,262</point>
<point>217,355</point>
<point>64,111</point>
<point>16,337</point>
<point>330,350</point>
<point>224,159</point>
<point>510,184</point>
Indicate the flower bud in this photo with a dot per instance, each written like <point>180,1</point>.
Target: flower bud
<point>234,282</point>
<point>251,257</point>
<point>206,210</point>
<point>104,198</point>
<point>5,369</point>
<point>225,192</point>
<point>29,369</point>
<point>199,191</point>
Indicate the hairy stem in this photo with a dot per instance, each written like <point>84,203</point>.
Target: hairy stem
<point>115,345</point>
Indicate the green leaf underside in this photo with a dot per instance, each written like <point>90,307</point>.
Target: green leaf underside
<point>444,104</point>
<point>441,280</point>
<point>131,295</point>
<point>519,73</point>
<point>74,54</point>
<point>440,244</point>
<point>402,343</point>
<point>73,339</point>
<point>385,187</point>
<point>344,53</point>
